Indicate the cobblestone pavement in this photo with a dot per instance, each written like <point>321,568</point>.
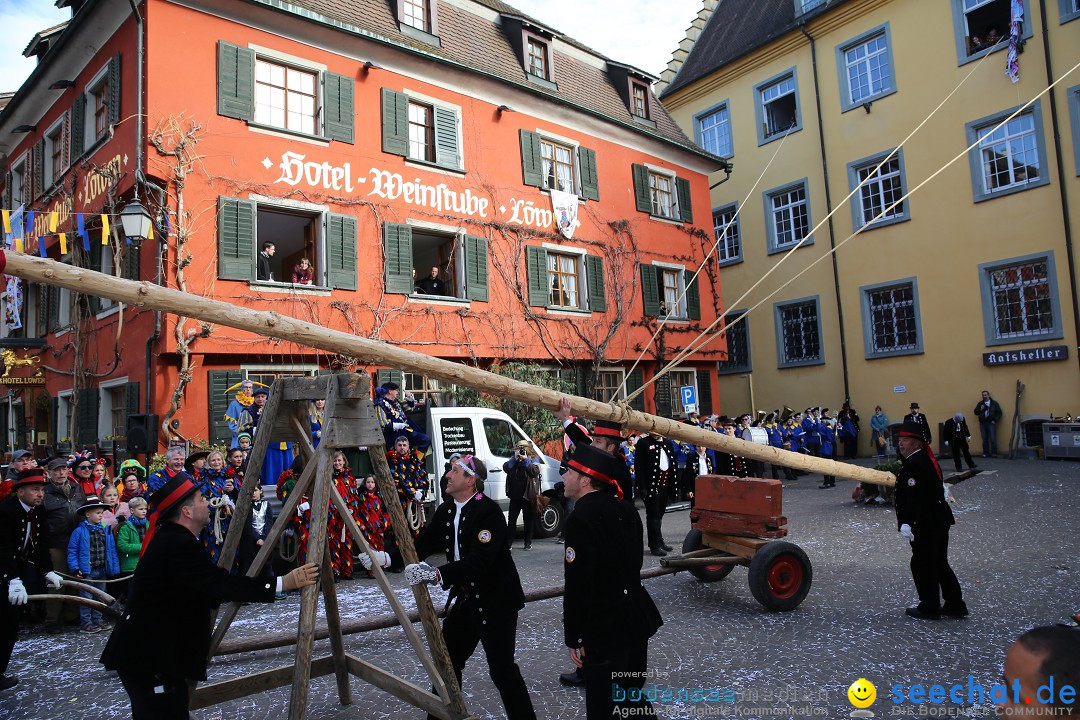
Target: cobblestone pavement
<point>1014,549</point>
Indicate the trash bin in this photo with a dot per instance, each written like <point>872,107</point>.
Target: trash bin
<point>1061,441</point>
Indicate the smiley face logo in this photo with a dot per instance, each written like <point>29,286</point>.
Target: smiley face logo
<point>862,693</point>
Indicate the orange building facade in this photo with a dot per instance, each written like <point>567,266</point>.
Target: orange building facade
<point>376,141</point>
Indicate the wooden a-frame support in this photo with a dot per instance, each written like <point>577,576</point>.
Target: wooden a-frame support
<point>349,421</point>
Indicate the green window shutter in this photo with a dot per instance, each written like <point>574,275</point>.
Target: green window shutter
<point>537,271</point>
<point>642,194</point>
<point>236,239</point>
<point>114,89</point>
<point>218,382</point>
<point>341,241</point>
<point>54,416</point>
<point>704,393</point>
<point>532,172</point>
<point>476,268</point>
<point>86,420</point>
<point>131,262</point>
<point>634,381</point>
<point>682,189</point>
<point>594,278</point>
<point>395,122</point>
<point>397,247</point>
<point>77,136</point>
<point>338,109</point>
<point>650,293</point>
<point>95,264</point>
<point>693,299</point>
<point>131,399</point>
<point>583,380</point>
<point>394,376</point>
<point>42,310</point>
<point>447,153</point>
<point>39,170</point>
<point>662,395</point>
<point>236,81</point>
<point>590,181</point>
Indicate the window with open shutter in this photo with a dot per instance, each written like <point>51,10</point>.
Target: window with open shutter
<point>341,251</point>
<point>397,248</point>
<point>338,107</point>
<point>236,81</point>
<point>650,293</point>
<point>131,397</point>
<point>642,194</point>
<point>236,239</point>
<point>634,381</point>
<point>77,135</point>
<point>218,382</point>
<point>594,277</point>
<point>693,298</point>
<point>536,268</point>
<point>395,122</point>
<point>395,376</point>
<point>114,89</point>
<point>476,268</point>
<point>704,393</point>
<point>86,418</point>
<point>662,395</point>
<point>590,181</point>
<point>39,169</point>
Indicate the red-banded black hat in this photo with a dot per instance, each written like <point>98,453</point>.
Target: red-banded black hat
<point>597,465</point>
<point>607,428</point>
<point>912,429</point>
<point>171,493</point>
<point>30,476</point>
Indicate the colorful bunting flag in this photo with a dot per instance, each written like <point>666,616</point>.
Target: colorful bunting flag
<point>63,244</point>
<point>104,228</point>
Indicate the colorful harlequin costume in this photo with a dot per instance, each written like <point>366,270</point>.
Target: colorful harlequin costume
<point>409,475</point>
<point>211,484</point>
<point>301,521</point>
<point>339,541</point>
<point>372,518</point>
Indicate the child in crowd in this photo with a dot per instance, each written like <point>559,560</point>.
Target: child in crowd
<point>92,556</point>
<point>130,536</point>
<point>117,512</point>
<point>243,441</point>
<point>235,470</point>
<point>374,522</point>
<point>262,516</point>
<point>101,472</point>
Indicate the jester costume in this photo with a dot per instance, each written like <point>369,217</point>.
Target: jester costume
<point>390,412</point>
<point>238,415</point>
<point>315,416</point>
<point>339,541</point>
<point>409,475</point>
<point>211,484</point>
<point>301,521</point>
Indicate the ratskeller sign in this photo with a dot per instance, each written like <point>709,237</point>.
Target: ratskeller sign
<point>1028,355</point>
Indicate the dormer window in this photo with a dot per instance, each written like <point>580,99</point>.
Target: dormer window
<point>537,60</point>
<point>419,19</point>
<point>639,100</point>
<point>415,14</point>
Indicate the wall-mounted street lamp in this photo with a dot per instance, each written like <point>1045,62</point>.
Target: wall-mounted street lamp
<point>136,222</point>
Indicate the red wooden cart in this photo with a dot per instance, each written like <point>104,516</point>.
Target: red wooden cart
<point>738,521</point>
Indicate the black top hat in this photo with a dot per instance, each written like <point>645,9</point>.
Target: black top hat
<point>189,463</point>
<point>607,428</point>
<point>30,476</point>
<point>172,493</point>
<point>92,503</point>
<point>911,429</point>
<point>914,406</point>
<point>597,465</point>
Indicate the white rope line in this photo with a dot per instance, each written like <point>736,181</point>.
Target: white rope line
<point>885,211</point>
<point>622,388</point>
<point>691,347</point>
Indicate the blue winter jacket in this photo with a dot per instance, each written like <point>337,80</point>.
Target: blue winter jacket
<point>79,549</point>
<point>828,440</point>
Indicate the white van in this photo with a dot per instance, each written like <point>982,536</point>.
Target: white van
<point>492,436</point>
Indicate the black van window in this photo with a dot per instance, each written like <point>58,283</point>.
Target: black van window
<point>501,437</point>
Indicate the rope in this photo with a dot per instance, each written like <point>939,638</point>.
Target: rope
<point>692,348</point>
<point>88,580</point>
<point>288,547</point>
<point>216,505</point>
<point>414,514</point>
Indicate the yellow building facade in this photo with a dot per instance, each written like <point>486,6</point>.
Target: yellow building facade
<point>967,284</point>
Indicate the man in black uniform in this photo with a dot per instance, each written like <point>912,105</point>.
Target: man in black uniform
<point>24,556</point>
<point>957,436</point>
<point>608,616</point>
<point>485,590</point>
<point>606,436</point>
<point>918,418</point>
<point>654,460</point>
<point>162,640</point>
<point>923,517</point>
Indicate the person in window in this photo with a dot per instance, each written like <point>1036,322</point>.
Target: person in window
<point>264,271</point>
<point>432,285</point>
<point>302,274</point>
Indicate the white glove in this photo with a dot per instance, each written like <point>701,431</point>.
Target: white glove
<point>302,508</point>
<point>905,530</point>
<point>969,438</point>
<point>382,557</point>
<point>16,593</point>
<point>419,495</point>
<point>399,426</point>
<point>418,573</point>
<point>52,580</point>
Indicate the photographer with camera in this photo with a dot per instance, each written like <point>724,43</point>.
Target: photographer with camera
<point>522,489</point>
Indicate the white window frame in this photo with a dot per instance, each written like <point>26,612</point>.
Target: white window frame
<point>676,394</point>
<point>676,211</point>
<point>874,185</point>
<point>433,102</point>
<point>961,32</point>
<point>582,287</point>
<point>869,330</point>
<point>319,280</point>
<point>680,311</point>
<point>993,337</point>
<point>781,346</point>
<point>297,63</point>
<point>90,137</point>
<point>620,388</point>
<point>573,146</point>
<point>701,133</point>
<point>847,102</point>
<point>760,89</point>
<point>729,228</point>
<point>770,216</point>
<point>975,156</point>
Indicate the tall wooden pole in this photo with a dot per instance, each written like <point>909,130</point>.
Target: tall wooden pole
<point>272,324</point>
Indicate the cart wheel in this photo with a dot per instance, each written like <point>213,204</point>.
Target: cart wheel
<point>705,573</point>
<point>780,576</point>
